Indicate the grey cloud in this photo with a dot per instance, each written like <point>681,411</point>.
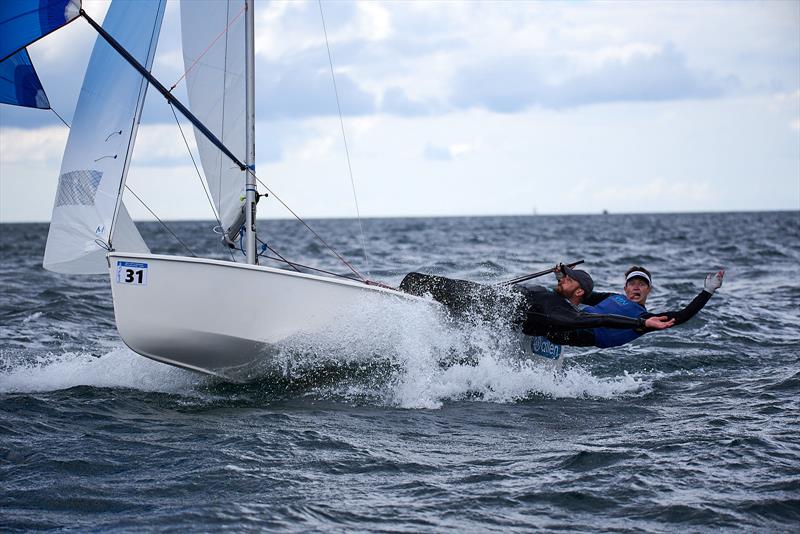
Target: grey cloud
<point>299,92</point>
<point>508,85</point>
<point>664,76</point>
<point>504,85</point>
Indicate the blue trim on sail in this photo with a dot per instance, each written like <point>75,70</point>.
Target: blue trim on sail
<point>19,84</point>
<point>24,21</point>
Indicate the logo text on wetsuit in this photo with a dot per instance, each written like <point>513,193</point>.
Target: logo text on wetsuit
<point>544,347</point>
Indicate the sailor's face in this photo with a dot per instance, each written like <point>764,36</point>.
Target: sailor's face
<point>567,287</point>
<point>637,289</point>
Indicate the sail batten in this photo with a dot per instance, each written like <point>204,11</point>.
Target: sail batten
<point>88,216</point>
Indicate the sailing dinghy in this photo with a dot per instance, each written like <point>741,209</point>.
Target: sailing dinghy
<point>216,317</point>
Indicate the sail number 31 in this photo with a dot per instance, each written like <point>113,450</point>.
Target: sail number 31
<point>129,272</point>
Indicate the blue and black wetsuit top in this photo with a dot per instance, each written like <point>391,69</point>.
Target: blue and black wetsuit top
<point>616,304</point>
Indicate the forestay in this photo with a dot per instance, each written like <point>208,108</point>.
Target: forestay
<point>88,217</point>
<point>214,59</point>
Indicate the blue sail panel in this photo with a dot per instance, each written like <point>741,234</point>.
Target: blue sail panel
<point>24,21</point>
<point>19,84</point>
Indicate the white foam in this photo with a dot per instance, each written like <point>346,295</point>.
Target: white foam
<point>423,344</point>
<point>32,317</point>
<point>118,368</point>
<point>504,380</point>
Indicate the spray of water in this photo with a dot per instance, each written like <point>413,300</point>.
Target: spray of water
<point>119,368</point>
<point>398,353</point>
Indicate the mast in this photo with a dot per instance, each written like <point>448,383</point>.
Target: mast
<point>250,136</point>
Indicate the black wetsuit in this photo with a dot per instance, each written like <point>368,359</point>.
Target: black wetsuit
<point>599,337</point>
<point>538,310</point>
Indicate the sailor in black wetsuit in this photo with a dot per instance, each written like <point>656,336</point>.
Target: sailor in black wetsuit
<point>638,283</point>
<point>538,310</point>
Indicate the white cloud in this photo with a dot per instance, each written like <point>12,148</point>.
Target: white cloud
<point>374,21</point>
<point>785,100</point>
<point>40,145</point>
<point>461,149</point>
<point>786,104</point>
<point>280,29</point>
<point>313,149</point>
<point>160,143</point>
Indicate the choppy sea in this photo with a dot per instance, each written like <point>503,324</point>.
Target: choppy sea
<point>690,430</point>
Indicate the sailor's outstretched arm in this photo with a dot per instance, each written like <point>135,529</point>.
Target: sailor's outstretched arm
<point>712,283</point>
<point>536,322</point>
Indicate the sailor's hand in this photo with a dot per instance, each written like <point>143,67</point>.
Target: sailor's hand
<point>659,323</point>
<point>713,281</point>
<point>559,271</point>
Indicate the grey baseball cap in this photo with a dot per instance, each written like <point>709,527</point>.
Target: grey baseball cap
<point>583,279</point>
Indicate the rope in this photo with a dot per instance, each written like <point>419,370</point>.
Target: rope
<point>344,138</point>
<point>268,247</point>
<point>217,38</point>
<point>296,266</point>
<point>162,222</point>
<point>296,216</point>
<point>59,117</point>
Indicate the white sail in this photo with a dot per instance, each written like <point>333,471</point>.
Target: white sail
<point>214,59</point>
<point>88,216</point>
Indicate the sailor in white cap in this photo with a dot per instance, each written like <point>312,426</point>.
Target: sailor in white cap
<point>638,283</point>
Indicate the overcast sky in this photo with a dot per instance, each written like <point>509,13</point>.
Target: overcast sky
<point>474,108</point>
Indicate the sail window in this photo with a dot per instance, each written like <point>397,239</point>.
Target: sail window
<point>78,188</point>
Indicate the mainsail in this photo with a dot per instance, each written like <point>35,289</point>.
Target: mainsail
<point>88,205</point>
<point>214,59</point>
<point>24,21</point>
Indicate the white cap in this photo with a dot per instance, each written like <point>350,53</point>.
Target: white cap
<point>639,274</point>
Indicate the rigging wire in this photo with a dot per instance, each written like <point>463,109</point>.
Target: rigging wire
<point>296,216</point>
<point>211,44</point>
<point>162,222</point>
<point>60,117</point>
<point>225,101</point>
<point>344,138</point>
<point>267,246</point>
<point>295,265</point>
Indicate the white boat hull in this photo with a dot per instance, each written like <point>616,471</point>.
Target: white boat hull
<point>222,318</point>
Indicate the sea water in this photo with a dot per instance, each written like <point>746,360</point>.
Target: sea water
<point>427,426</point>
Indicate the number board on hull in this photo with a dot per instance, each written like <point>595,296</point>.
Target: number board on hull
<point>133,273</point>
